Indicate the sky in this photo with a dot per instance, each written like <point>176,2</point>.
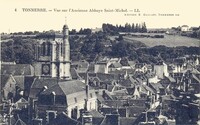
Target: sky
<point>21,21</point>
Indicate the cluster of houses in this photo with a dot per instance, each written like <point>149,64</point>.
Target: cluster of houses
<point>183,30</point>
<point>110,91</point>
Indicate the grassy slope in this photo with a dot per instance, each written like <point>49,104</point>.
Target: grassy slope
<point>168,40</point>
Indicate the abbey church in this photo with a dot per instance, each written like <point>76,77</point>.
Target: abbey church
<point>53,55</point>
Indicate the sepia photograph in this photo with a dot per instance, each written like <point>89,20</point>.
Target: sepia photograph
<point>99,62</point>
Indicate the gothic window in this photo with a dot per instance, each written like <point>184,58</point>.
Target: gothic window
<point>43,48</point>
<point>48,48</point>
<point>39,51</point>
<point>61,49</point>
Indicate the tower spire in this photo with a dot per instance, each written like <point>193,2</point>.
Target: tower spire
<point>65,20</point>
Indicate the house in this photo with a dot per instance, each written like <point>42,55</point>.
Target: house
<point>21,103</point>
<point>101,67</point>
<point>184,28</point>
<point>68,96</point>
<point>15,87</point>
<point>8,85</point>
<point>63,119</point>
<point>161,70</point>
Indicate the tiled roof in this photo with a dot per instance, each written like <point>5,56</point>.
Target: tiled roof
<point>66,87</point>
<point>135,111</point>
<point>107,77</point>
<point>63,119</point>
<point>128,82</point>
<point>137,102</point>
<point>19,81</point>
<point>74,74</point>
<point>110,120</point>
<point>196,78</point>
<point>114,103</point>
<point>28,81</point>
<point>127,121</point>
<point>95,114</point>
<point>131,63</point>
<point>39,83</point>
<point>22,100</point>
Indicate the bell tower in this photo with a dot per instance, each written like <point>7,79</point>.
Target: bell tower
<point>53,55</point>
<point>66,54</point>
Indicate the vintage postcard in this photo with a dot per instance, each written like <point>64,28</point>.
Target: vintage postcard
<point>99,62</point>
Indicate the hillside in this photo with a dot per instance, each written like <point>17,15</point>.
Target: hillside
<point>168,40</point>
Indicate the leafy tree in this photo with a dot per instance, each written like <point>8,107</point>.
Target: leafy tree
<point>98,47</point>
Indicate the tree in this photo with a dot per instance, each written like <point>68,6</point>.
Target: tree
<point>98,48</point>
<point>133,27</point>
<point>137,28</point>
<point>19,50</point>
<point>144,28</point>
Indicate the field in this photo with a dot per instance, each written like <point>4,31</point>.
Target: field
<point>168,40</point>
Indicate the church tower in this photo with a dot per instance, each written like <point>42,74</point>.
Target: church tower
<point>53,55</point>
<point>66,53</point>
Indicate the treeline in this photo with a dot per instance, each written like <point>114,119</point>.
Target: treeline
<point>92,46</point>
<point>18,50</point>
<point>82,31</point>
<point>109,28</point>
<point>157,53</point>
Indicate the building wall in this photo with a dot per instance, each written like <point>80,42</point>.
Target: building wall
<point>9,88</point>
<point>73,101</point>
<point>161,70</point>
<point>184,28</point>
<point>154,79</point>
<point>100,68</point>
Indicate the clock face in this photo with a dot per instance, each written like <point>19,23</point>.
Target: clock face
<point>46,69</point>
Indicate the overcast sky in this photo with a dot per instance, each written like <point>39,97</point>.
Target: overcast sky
<point>15,21</point>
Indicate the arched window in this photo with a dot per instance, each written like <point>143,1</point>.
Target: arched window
<point>43,48</point>
<point>61,49</point>
<point>39,50</point>
<point>48,48</point>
